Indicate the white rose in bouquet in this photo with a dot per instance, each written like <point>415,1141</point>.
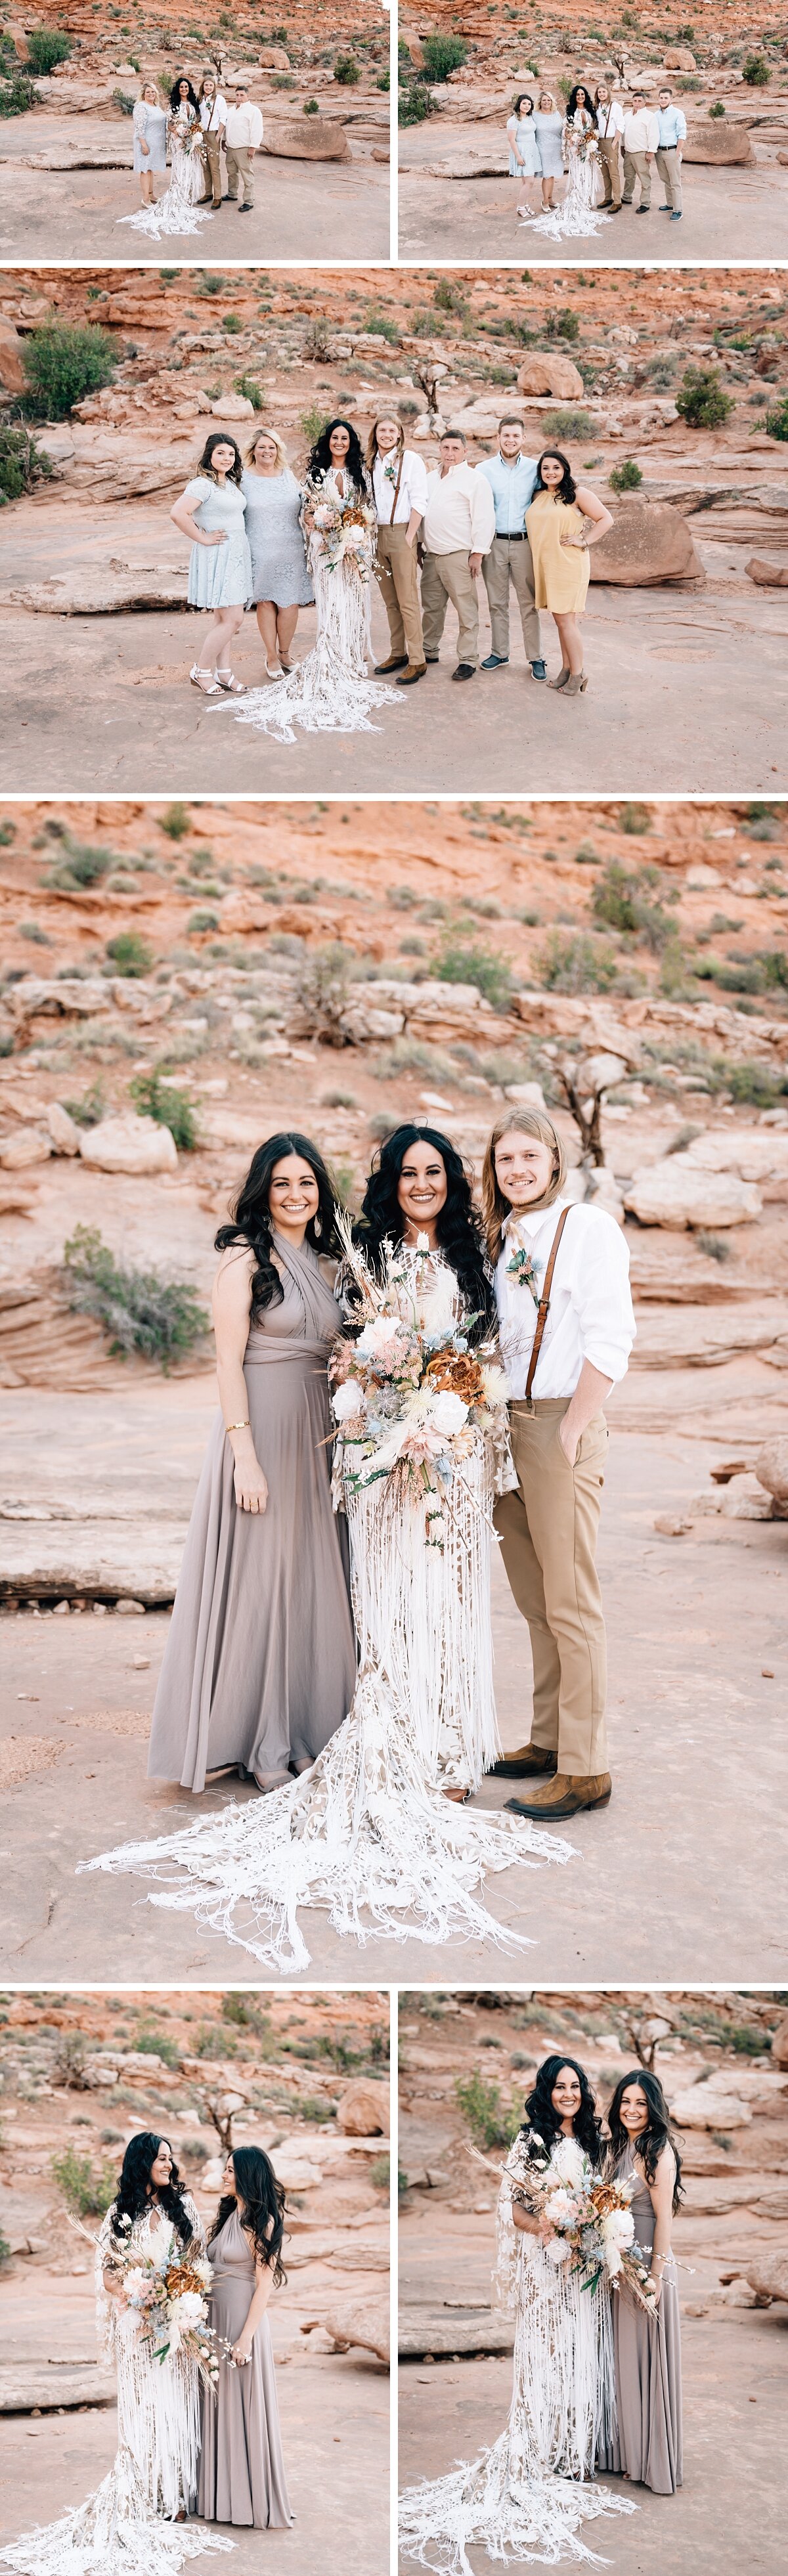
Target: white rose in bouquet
<point>558,2251</point>
<point>449,1414</point>
<point>188,2310</point>
<point>347,1400</point>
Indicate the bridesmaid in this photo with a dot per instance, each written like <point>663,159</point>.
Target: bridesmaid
<point>242,2474</point>
<point>647,2447</point>
<point>260,1664</point>
<point>563,520</point>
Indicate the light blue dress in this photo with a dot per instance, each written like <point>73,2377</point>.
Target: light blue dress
<point>276,544</point>
<point>150,125</point>
<point>526,147</point>
<point>548,131</point>
<point>219,576</point>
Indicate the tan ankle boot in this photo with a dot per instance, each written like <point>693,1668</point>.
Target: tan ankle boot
<point>564,1796</point>
<point>529,1762</point>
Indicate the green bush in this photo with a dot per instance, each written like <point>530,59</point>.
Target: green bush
<point>170,1108</point>
<point>18,94</point>
<point>718,108</point>
<point>756,71</point>
<point>442,55</point>
<point>129,953</point>
<point>232,322</point>
<point>701,399</point>
<point>634,819</point>
<point>627,903</point>
<point>199,921</point>
<point>625,477</point>
<point>22,463</point>
<point>313,420</point>
<point>90,1109</point>
<point>776,421</point>
<point>346,71</point>
<point>44,51</point>
<point>413,104</point>
<point>569,422</point>
<point>176,822</point>
<point>5,2250</point>
<point>137,1309</point>
<point>253,392</point>
<point>489,2123</point>
<point>575,963</point>
<point>122,98</point>
<point>311,107</point>
<point>563,325</point>
<point>157,2043</point>
<point>380,2173</point>
<point>64,362</point>
<point>87,2193</point>
<point>465,963</point>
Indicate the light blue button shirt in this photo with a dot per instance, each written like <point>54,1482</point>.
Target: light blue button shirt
<point>672,127</point>
<point>512,487</point>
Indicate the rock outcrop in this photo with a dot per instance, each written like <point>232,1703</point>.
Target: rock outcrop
<point>649,543</point>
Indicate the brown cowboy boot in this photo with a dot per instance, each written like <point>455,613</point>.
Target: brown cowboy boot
<point>564,1796</point>
<point>524,1764</point>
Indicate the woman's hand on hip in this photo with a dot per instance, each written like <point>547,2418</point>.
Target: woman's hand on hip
<point>251,1487</point>
<point>568,540</point>
<point>214,536</point>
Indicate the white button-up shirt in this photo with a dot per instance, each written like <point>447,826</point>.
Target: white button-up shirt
<point>610,117</point>
<point>412,494</point>
<point>641,130</point>
<point>460,512</point>
<point>213,113</point>
<point>590,1315</point>
<point>244,127</point>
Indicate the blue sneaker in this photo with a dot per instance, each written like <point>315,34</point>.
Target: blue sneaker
<point>495,662</point>
<point>676,215</point>
<point>538,670</point>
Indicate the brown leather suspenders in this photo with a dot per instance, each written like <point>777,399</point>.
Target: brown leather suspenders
<point>544,1302</point>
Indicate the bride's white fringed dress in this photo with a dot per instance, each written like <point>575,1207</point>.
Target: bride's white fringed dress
<point>367,1834</point>
<point>525,2500</point>
<point>329,692</point>
<point>129,2526</point>
<point>179,213</point>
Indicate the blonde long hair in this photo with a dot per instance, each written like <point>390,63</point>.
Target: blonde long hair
<point>372,441</point>
<point>522,1122</point>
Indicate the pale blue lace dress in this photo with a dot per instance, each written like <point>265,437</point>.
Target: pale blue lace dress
<point>523,148</point>
<point>150,126</point>
<point>276,544</point>
<point>219,576</point>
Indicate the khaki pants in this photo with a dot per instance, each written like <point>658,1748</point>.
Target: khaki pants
<point>240,169</point>
<point>669,167</point>
<point>548,1532</point>
<point>444,578</point>
<point>398,581</point>
<point>504,563</point>
<point>212,150</point>
<point>637,166</point>
<point>610,166</point>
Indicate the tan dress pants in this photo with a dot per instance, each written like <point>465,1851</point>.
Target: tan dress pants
<point>398,581</point>
<point>240,172</point>
<point>548,1531</point>
<point>610,166</point>
<point>504,563</point>
<point>669,167</point>
<point>444,578</point>
<point>637,166</point>
<point>212,153</point>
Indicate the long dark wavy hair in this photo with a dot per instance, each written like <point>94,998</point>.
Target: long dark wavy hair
<point>579,92</point>
<point>659,2133</point>
<point>261,2207</point>
<point>321,459</point>
<point>221,438</point>
<point>565,490</point>
<point>182,81</point>
<point>541,2113</point>
<point>457,1228</point>
<point>251,1219</point>
<point>134,2195</point>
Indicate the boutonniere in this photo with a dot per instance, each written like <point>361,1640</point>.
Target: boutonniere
<point>389,473</point>
<point>525,1271</point>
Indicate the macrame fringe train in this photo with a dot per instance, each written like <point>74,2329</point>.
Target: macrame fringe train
<point>115,2534</point>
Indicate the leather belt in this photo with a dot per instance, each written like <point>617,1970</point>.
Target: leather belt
<point>512,536</point>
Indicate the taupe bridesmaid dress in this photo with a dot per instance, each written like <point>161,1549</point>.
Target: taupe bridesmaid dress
<point>242,2472</point>
<point>648,2445</point>
<point>260,1662</point>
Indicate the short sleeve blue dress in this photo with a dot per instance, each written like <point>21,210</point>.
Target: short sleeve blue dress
<point>524,154</point>
<point>219,576</point>
<point>150,126</point>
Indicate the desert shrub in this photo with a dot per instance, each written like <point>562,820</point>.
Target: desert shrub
<point>462,962</point>
<point>311,107</point>
<point>382,325</point>
<point>44,50</point>
<point>347,71</point>
<point>232,322</point>
<point>253,392</point>
<point>176,822</point>
<point>87,2193</point>
<point>568,422</point>
<point>170,1108</point>
<point>5,2249</point>
<point>449,298</point>
<point>718,108</point>
<point>755,71</point>
<point>575,963</point>
<point>64,362</point>
<point>701,399</point>
<point>130,954</point>
<point>22,463</point>
<point>88,1111</point>
<point>323,991</point>
<point>137,1309</point>
<point>442,55</point>
<point>80,864</point>
<point>157,2043</point>
<point>776,421</point>
<point>634,819</point>
<point>380,2172</point>
<point>18,94</point>
<point>490,2124</point>
<point>32,930</point>
<point>414,103</point>
<point>715,1246</point>
<point>625,477</point>
<point>313,420</point>
<point>750,1083</point>
<point>563,325</point>
<point>626,902</point>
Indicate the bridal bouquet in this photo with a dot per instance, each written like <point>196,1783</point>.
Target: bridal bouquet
<point>409,1395</point>
<point>170,2306</point>
<point>591,2221</point>
<point>346,529</point>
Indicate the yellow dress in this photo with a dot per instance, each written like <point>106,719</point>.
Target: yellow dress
<point>560,572</point>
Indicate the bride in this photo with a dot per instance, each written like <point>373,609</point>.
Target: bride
<point>377,1832</point>
<point>329,691</point>
<point>578,216</point>
<point>126,2528</point>
<point>178,211</point>
<point>526,2499</point>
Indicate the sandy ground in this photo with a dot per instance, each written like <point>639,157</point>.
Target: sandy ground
<point>688,1847</point>
<point>303,210</point>
<point>728,213</point>
<point>335,2418</point>
<point>665,672</point>
<point>728,2513</point>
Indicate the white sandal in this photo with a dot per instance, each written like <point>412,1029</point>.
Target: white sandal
<point>272,675</point>
<point>197,675</point>
<point>227,680</point>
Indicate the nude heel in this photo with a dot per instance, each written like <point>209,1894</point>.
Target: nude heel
<point>577,683</point>
<point>563,676</point>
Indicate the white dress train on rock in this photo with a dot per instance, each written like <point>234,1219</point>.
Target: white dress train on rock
<point>578,216</point>
<point>329,691</point>
<point>178,212</point>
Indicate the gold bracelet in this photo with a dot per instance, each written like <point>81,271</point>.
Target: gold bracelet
<point>238,1426</point>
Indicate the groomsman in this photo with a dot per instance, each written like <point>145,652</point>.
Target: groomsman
<point>213,119</point>
<point>641,137</point>
<point>459,526</point>
<point>243,137</point>
<point>672,133</point>
<point>610,127</point>
<point>566,1329</point>
<point>512,479</point>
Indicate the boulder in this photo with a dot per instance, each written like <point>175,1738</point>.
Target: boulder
<point>705,2107</point>
<point>676,1192</point>
<point>274,59</point>
<point>648,543</point>
<point>366,2324</point>
<point>129,1144</point>
<point>12,373</point>
<point>549,372</point>
<point>713,140</point>
<point>769,576</point>
<point>780,2035</point>
<point>365,2109</point>
<point>441,2331</point>
<point>312,138</point>
<point>30,2387</point>
<point>677,58</point>
<point>78,1560</point>
<point>771,1468</point>
<point>63,1130</point>
<point>768,2276</point>
<point>28,1145</point>
<point>232,407</point>
<point>756,1153</point>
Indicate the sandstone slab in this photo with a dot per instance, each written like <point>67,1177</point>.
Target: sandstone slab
<point>768,2276</point>
<point>314,139</point>
<point>714,141</point>
<point>366,2325</point>
<point>41,2385</point>
<point>756,1153</point>
<point>59,1561</point>
<point>649,543</point>
<point>769,576</point>
<point>27,1145</point>
<point>443,2330</point>
<point>129,1144</point>
<point>678,1193</point>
